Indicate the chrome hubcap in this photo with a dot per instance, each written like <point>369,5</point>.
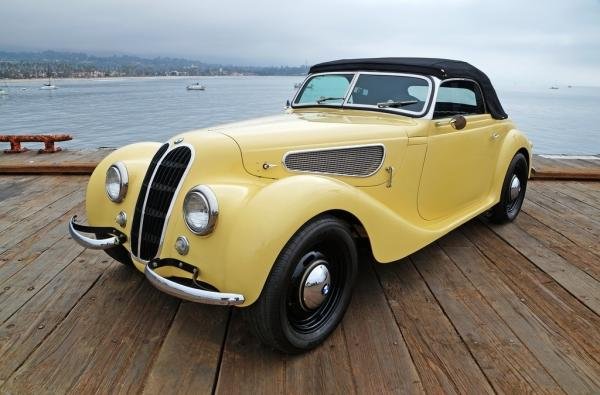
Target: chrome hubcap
<point>315,285</point>
<point>515,188</point>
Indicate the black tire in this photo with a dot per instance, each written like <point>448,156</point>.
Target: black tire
<point>509,206</point>
<point>281,317</point>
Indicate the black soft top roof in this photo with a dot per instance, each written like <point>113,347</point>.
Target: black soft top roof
<point>441,68</point>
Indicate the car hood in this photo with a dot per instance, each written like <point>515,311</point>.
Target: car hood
<point>263,142</point>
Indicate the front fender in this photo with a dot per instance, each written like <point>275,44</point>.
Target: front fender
<point>101,211</point>
<point>270,218</point>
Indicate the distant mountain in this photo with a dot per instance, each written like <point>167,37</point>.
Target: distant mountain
<point>71,64</point>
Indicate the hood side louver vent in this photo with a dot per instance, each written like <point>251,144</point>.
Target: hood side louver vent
<point>355,161</point>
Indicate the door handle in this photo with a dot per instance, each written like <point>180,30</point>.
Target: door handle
<point>495,135</point>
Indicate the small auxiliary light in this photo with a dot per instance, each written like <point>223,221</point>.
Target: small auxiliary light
<point>121,219</point>
<point>182,245</point>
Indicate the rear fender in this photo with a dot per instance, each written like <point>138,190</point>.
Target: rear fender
<point>514,141</point>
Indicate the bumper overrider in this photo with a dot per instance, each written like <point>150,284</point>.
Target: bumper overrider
<point>116,239</point>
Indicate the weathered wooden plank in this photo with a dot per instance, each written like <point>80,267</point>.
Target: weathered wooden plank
<point>554,241</point>
<point>568,229</point>
<point>581,192</point>
<point>559,192</point>
<point>575,373</point>
<point>559,310</point>
<point>189,357</point>
<point>247,366</point>
<point>32,202</point>
<point>590,189</point>
<point>433,342</point>
<point>81,168</point>
<point>17,232</point>
<point>80,162</point>
<point>130,346</point>
<point>325,369</point>
<point>590,225</point>
<point>565,169</point>
<point>508,364</point>
<point>56,365</point>
<point>27,283</point>
<point>19,256</point>
<point>25,330</point>
<point>380,360</point>
<point>567,175</point>
<point>12,189</point>
<point>573,279</point>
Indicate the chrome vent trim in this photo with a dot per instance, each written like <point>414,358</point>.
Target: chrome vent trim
<point>353,161</point>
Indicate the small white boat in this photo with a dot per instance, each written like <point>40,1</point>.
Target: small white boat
<point>3,92</point>
<point>195,87</point>
<point>48,86</point>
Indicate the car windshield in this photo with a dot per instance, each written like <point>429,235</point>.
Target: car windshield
<point>391,92</point>
<point>328,89</point>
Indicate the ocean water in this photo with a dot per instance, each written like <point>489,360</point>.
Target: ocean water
<point>115,112</point>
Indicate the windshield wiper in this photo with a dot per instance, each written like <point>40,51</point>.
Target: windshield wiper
<point>329,98</point>
<point>396,104</point>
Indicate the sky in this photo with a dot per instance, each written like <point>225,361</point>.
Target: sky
<point>513,41</point>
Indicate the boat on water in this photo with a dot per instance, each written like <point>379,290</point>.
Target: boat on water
<point>48,86</point>
<point>3,92</point>
<point>554,87</point>
<point>297,85</point>
<point>195,87</point>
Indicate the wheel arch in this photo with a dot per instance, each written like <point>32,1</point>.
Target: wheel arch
<point>271,217</point>
<point>515,142</point>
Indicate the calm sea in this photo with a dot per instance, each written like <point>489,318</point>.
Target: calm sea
<point>115,112</point>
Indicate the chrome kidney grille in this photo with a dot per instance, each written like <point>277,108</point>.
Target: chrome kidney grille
<point>159,187</point>
<point>355,161</point>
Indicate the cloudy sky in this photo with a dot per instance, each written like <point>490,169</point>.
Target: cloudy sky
<point>515,41</point>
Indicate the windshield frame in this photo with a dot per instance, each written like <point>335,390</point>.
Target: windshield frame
<point>356,75</point>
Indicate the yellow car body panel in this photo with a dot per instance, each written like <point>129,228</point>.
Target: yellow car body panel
<point>426,186</point>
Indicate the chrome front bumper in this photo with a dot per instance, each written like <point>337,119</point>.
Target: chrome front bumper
<point>167,286</point>
<point>189,293</point>
<point>116,237</point>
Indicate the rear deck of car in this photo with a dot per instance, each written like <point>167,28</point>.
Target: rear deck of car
<point>510,308</point>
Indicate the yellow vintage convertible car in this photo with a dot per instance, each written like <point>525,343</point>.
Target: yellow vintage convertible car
<point>265,214</point>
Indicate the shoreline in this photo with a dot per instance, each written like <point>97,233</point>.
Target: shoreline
<point>165,77</point>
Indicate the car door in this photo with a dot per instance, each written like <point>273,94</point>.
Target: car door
<point>459,163</point>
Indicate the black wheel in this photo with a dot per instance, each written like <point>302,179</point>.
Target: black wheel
<point>513,191</point>
<point>308,289</point>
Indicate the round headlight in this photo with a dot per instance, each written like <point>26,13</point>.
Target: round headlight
<point>200,210</point>
<point>116,182</point>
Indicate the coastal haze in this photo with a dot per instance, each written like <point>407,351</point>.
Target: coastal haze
<point>541,42</point>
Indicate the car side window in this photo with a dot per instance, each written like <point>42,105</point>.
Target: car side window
<point>458,97</point>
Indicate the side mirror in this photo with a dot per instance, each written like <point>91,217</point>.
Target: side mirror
<point>458,122</point>
<point>287,104</point>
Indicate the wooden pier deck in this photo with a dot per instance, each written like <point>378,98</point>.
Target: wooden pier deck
<point>486,309</point>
